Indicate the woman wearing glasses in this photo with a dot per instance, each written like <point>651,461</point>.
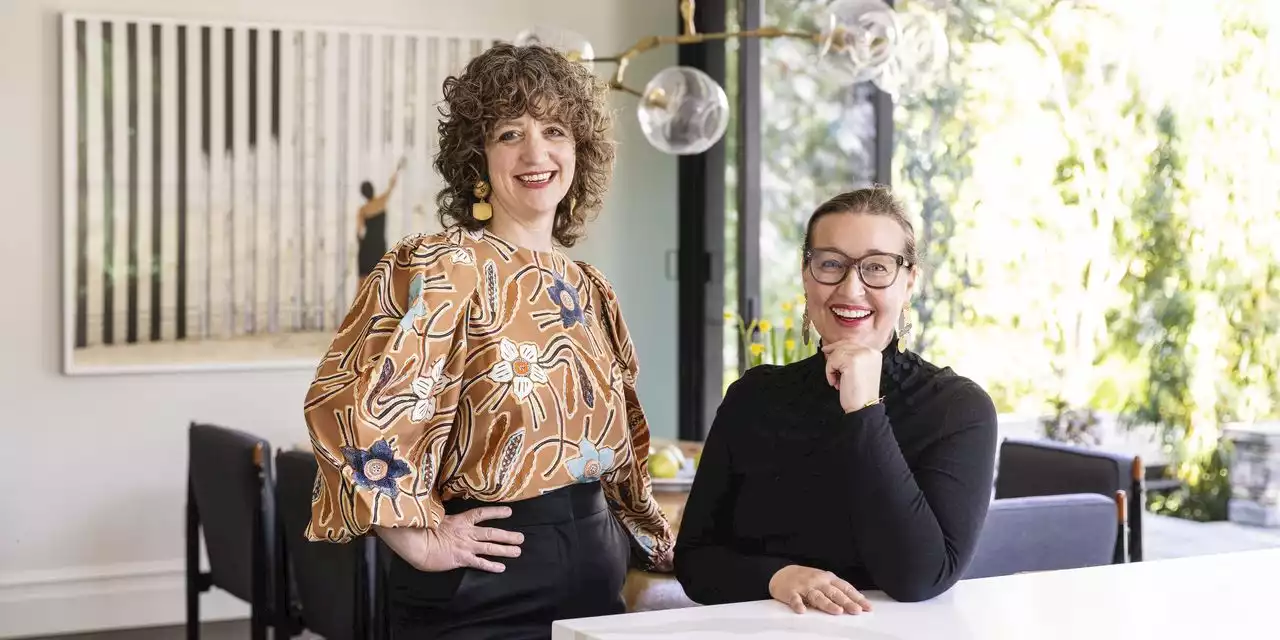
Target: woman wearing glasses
<point>863,467</point>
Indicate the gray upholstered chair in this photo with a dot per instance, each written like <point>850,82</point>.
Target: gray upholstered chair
<point>1045,533</point>
<point>1043,468</point>
<point>332,584</point>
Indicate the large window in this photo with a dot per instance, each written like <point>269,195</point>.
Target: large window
<point>1094,185</point>
<point>814,136</point>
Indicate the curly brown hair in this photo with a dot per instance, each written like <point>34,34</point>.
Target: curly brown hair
<point>505,83</point>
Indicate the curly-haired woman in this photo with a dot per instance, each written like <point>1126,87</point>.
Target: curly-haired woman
<point>477,409</point>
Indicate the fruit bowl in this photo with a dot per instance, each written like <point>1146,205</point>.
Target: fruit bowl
<point>673,465</point>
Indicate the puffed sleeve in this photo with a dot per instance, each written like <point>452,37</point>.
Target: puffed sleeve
<point>383,399</point>
<point>627,487</point>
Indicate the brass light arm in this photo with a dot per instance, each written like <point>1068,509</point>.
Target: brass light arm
<point>854,38</point>
<point>686,12</point>
<point>690,36</point>
<point>618,86</point>
<point>653,42</point>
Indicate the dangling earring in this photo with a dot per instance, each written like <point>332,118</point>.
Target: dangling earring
<point>804,327</point>
<point>481,210</point>
<point>906,331</point>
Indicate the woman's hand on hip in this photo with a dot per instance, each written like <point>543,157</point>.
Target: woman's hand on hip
<point>855,370</point>
<point>459,541</point>
<point>797,586</point>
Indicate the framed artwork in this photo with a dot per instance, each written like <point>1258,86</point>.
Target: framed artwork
<point>217,180</point>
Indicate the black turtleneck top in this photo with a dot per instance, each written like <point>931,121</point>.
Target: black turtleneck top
<point>889,497</point>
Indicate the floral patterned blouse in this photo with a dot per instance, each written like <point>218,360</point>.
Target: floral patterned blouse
<point>469,367</point>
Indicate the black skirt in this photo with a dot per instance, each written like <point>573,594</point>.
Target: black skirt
<point>373,246</point>
<point>572,564</point>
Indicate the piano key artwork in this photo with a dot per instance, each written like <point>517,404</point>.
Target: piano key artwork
<point>211,182</point>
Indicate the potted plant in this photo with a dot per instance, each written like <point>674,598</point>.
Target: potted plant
<point>772,340</point>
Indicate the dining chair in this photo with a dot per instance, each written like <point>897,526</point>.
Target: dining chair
<point>1042,468</point>
<point>333,587</point>
<point>1046,533</point>
<point>230,506</point>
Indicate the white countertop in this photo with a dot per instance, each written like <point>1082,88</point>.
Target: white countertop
<point>1234,595</point>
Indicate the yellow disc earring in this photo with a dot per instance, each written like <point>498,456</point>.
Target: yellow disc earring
<point>481,210</point>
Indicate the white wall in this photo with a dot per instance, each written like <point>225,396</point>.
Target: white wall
<point>93,468</point>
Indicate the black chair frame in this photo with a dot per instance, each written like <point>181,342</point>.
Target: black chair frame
<point>262,606</point>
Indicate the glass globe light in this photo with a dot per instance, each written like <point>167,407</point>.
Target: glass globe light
<point>923,47</point>
<point>572,44</point>
<point>683,111</point>
<point>891,79</point>
<point>920,57</point>
<point>858,38</point>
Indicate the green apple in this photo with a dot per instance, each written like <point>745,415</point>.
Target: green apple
<point>675,451</point>
<point>664,465</point>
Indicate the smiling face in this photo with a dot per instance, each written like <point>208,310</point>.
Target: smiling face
<point>530,166</point>
<point>516,110</point>
<point>851,309</point>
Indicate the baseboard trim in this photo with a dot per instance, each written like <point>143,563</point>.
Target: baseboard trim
<point>119,596</point>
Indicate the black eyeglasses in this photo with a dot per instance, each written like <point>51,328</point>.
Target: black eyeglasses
<point>878,270</point>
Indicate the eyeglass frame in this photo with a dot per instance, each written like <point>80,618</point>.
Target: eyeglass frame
<point>855,264</point>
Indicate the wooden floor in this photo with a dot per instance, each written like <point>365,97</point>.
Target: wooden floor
<point>231,630</point>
